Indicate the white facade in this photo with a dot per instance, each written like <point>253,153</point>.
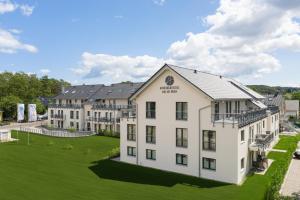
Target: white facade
<point>93,108</point>
<point>225,153</point>
<point>291,108</point>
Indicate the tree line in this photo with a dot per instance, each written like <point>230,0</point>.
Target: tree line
<point>26,88</point>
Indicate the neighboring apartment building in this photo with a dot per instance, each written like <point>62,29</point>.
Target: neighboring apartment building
<point>198,124</point>
<point>276,100</point>
<point>291,109</point>
<point>90,107</point>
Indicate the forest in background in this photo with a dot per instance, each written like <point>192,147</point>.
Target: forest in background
<point>26,88</point>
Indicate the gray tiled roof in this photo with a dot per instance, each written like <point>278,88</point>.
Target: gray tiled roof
<point>95,92</point>
<point>217,87</point>
<point>79,92</point>
<point>273,100</point>
<point>116,91</point>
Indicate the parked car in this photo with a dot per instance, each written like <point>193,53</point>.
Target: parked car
<point>297,154</point>
<point>42,117</point>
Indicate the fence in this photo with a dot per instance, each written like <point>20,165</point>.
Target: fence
<point>56,133</point>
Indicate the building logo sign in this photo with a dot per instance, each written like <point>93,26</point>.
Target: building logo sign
<point>169,80</point>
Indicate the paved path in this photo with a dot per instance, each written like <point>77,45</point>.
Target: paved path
<point>291,184</point>
<point>18,125</point>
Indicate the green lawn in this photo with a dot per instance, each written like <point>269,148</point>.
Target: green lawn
<point>61,169</point>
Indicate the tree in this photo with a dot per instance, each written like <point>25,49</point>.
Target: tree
<point>40,108</point>
<point>9,105</point>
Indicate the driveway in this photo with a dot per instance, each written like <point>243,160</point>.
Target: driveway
<point>291,184</point>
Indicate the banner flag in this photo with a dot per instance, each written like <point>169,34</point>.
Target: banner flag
<point>21,109</point>
<point>32,115</point>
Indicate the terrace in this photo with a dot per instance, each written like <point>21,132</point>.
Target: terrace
<point>244,118</point>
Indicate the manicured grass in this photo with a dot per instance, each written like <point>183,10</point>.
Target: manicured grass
<point>56,168</point>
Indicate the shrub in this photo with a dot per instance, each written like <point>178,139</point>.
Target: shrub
<point>72,130</point>
<point>115,152</point>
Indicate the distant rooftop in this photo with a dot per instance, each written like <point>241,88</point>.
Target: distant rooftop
<point>100,91</point>
<point>273,99</point>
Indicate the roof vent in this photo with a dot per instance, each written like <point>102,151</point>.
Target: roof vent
<point>195,71</point>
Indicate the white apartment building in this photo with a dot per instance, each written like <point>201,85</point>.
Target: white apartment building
<point>197,124</point>
<point>90,107</point>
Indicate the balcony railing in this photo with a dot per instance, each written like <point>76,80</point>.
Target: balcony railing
<point>71,106</point>
<point>261,141</point>
<point>244,118</point>
<point>129,112</point>
<point>56,116</point>
<point>103,119</point>
<point>110,107</point>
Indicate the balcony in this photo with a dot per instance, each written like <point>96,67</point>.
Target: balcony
<point>103,119</point>
<point>129,112</point>
<point>261,142</point>
<point>110,107</point>
<point>62,106</point>
<point>244,118</point>
<point>57,116</point>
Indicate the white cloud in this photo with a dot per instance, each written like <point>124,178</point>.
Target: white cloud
<point>117,67</point>
<point>10,44</point>
<point>159,2</point>
<point>15,31</point>
<point>26,9</point>
<point>240,40</point>
<point>7,6</point>
<point>45,71</point>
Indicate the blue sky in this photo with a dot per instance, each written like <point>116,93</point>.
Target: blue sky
<point>73,38</point>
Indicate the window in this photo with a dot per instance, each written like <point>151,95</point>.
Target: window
<point>209,140</point>
<point>95,115</point>
<point>88,126</point>
<point>242,163</point>
<point>181,137</point>
<point>72,114</point>
<point>51,113</point>
<point>131,151</point>
<point>71,124</point>
<point>150,154</point>
<point>51,122</point>
<point>209,163</point>
<point>88,113</point>
<point>242,136</point>
<point>150,110</point>
<point>263,123</point>
<point>237,106</point>
<point>77,126</point>
<point>77,114</point>
<point>131,132</point>
<point>181,111</point>
<point>181,159</point>
<point>228,108</point>
<point>150,134</point>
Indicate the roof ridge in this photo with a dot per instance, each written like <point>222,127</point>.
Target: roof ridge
<point>204,72</point>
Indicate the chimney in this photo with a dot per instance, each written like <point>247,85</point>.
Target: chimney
<point>62,89</point>
<point>220,76</point>
<point>195,71</point>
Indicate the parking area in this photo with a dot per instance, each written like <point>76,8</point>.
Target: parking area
<point>291,185</point>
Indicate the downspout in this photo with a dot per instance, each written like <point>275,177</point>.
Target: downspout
<point>137,137</point>
<point>199,120</point>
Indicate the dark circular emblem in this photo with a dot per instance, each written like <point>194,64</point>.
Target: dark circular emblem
<point>169,80</point>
